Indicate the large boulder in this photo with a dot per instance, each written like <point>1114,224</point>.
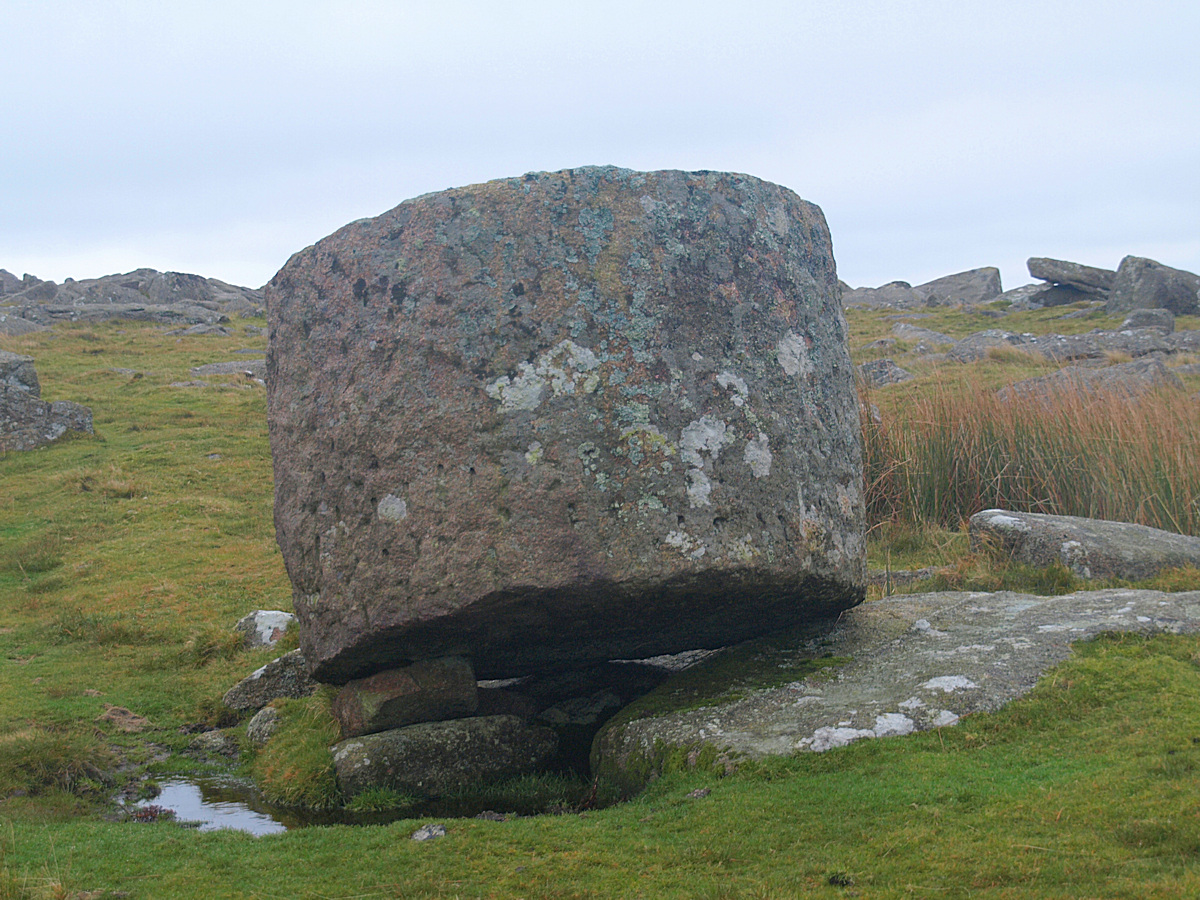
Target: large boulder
<point>1091,548</point>
<point>1146,284</point>
<point>1086,279</point>
<point>564,418</point>
<point>436,758</point>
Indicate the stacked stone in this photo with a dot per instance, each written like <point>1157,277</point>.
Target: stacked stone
<point>1138,283</point>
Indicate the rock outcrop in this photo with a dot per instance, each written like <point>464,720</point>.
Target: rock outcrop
<point>26,421</point>
<point>1091,548</point>
<point>1146,284</point>
<point>894,666</point>
<point>971,287</point>
<point>564,418</point>
<point>170,298</point>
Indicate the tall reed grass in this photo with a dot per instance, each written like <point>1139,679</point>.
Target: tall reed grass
<point>951,452</point>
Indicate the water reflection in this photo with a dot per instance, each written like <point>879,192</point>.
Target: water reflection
<point>215,804</point>
<point>232,803</point>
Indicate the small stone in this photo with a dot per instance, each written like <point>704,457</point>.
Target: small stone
<point>429,832</point>
<point>263,627</point>
<point>218,743</point>
<point>700,793</point>
<point>264,724</point>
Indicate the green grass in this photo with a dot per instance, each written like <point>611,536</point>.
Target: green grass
<point>1083,789</point>
<point>126,557</point>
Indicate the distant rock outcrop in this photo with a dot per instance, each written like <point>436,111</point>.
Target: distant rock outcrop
<point>564,418</point>
<point>170,298</point>
<point>26,421</point>
<point>1145,284</point>
<point>971,287</point>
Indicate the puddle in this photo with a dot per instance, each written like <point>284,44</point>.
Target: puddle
<point>217,803</point>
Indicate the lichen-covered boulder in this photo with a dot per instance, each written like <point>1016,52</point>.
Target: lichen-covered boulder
<point>286,676</point>
<point>435,758</point>
<point>562,418</point>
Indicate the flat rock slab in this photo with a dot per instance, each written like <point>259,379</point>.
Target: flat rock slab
<point>564,418</point>
<point>1091,548</point>
<point>427,691</point>
<point>1130,379</point>
<point>917,662</point>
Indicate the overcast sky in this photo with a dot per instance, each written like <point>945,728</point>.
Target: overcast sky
<point>220,137</point>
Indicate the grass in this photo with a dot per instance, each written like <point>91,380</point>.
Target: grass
<point>955,449</point>
<point>1083,789</point>
<point>125,558</point>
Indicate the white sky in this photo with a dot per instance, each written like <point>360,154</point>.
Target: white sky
<point>220,137</point>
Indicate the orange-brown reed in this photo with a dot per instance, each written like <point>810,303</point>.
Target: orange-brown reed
<point>954,450</point>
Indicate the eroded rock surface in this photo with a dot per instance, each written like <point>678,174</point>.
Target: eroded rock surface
<point>916,662</point>
<point>426,691</point>
<point>561,418</point>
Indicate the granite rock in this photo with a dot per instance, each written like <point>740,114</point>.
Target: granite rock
<point>1091,548</point>
<point>564,418</point>
<point>1086,279</point>
<point>1146,284</point>
<point>286,676</point>
<point>435,758</point>
<point>427,691</point>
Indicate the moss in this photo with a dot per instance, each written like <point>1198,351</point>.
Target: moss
<point>723,678</point>
<point>731,674</point>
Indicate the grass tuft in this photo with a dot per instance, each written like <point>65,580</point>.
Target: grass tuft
<point>36,759</point>
<point>295,768</point>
